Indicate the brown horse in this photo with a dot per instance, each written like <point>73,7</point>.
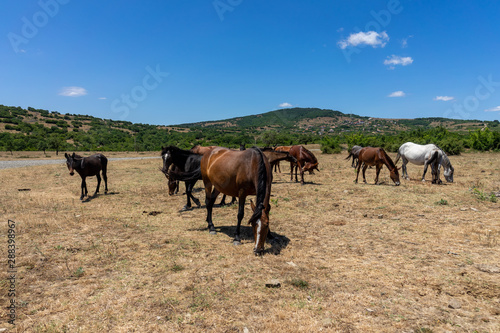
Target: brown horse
<point>86,167</point>
<point>378,157</point>
<point>173,184</point>
<point>239,174</point>
<point>306,161</point>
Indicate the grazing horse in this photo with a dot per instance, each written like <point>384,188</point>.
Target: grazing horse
<point>354,152</point>
<point>185,161</point>
<point>173,184</point>
<point>378,157</point>
<point>238,173</point>
<point>86,167</point>
<point>306,161</point>
<point>426,155</point>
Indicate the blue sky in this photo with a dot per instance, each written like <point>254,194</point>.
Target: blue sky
<point>172,62</point>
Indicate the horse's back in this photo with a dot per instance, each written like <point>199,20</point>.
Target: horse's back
<point>415,153</point>
<point>302,154</point>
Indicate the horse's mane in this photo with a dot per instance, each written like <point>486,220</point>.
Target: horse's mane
<point>261,188</point>
<point>314,159</point>
<point>388,159</point>
<point>445,157</point>
<point>176,150</point>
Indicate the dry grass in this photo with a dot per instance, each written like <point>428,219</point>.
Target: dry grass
<point>354,258</point>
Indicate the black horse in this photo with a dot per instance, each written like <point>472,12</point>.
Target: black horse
<point>88,166</point>
<point>185,161</point>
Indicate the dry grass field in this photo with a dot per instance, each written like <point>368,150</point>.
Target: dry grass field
<point>348,257</point>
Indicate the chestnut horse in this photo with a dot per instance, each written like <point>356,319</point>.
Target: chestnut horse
<point>86,167</point>
<point>378,157</point>
<point>239,173</point>
<point>306,161</point>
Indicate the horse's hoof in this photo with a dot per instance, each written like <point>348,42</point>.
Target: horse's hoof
<point>236,242</point>
<point>185,209</point>
<point>213,232</point>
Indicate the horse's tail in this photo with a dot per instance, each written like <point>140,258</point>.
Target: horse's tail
<point>398,156</point>
<point>434,157</point>
<point>261,188</point>
<point>185,176</point>
<point>348,157</point>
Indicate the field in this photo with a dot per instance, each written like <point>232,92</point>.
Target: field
<point>348,257</point>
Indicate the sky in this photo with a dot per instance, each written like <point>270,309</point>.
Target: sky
<point>173,62</point>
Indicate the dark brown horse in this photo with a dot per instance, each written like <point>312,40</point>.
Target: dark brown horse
<point>378,157</point>
<point>173,184</point>
<point>306,161</point>
<point>86,167</point>
<point>239,174</point>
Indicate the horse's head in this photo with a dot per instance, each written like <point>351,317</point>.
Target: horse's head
<point>310,167</point>
<point>70,163</point>
<point>172,185</point>
<point>448,174</point>
<point>260,224</point>
<point>394,174</point>
<point>166,156</point>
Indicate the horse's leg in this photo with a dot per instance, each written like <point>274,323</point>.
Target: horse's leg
<point>357,172</point>
<point>98,176</point>
<point>365,166</point>
<point>210,196</point>
<point>278,165</point>
<point>426,165</point>
<point>301,176</point>
<point>223,201</point>
<point>105,177</point>
<point>291,171</point>
<point>403,167</point>
<point>241,213</point>
<point>84,188</point>
<point>378,168</point>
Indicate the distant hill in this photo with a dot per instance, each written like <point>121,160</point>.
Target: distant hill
<point>38,129</point>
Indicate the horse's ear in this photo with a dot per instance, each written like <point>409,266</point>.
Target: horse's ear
<point>252,205</point>
<point>66,155</point>
<point>73,155</point>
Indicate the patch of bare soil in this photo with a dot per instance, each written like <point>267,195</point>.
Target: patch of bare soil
<point>346,257</point>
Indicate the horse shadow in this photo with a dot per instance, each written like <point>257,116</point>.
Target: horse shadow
<point>92,197</point>
<point>278,242</point>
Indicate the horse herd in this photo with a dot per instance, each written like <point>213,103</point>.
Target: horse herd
<point>249,172</point>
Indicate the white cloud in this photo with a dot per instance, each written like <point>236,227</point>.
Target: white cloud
<point>394,60</point>
<point>73,91</point>
<point>102,98</point>
<point>285,105</point>
<point>372,38</point>
<point>495,109</point>
<point>398,93</point>
<point>444,98</point>
<point>404,42</point>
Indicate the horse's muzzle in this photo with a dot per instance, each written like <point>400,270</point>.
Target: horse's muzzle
<point>397,183</point>
<point>258,252</point>
<point>72,173</point>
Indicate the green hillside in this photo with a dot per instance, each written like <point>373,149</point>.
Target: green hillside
<point>37,129</point>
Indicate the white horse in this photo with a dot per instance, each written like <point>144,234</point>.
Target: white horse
<point>426,155</point>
